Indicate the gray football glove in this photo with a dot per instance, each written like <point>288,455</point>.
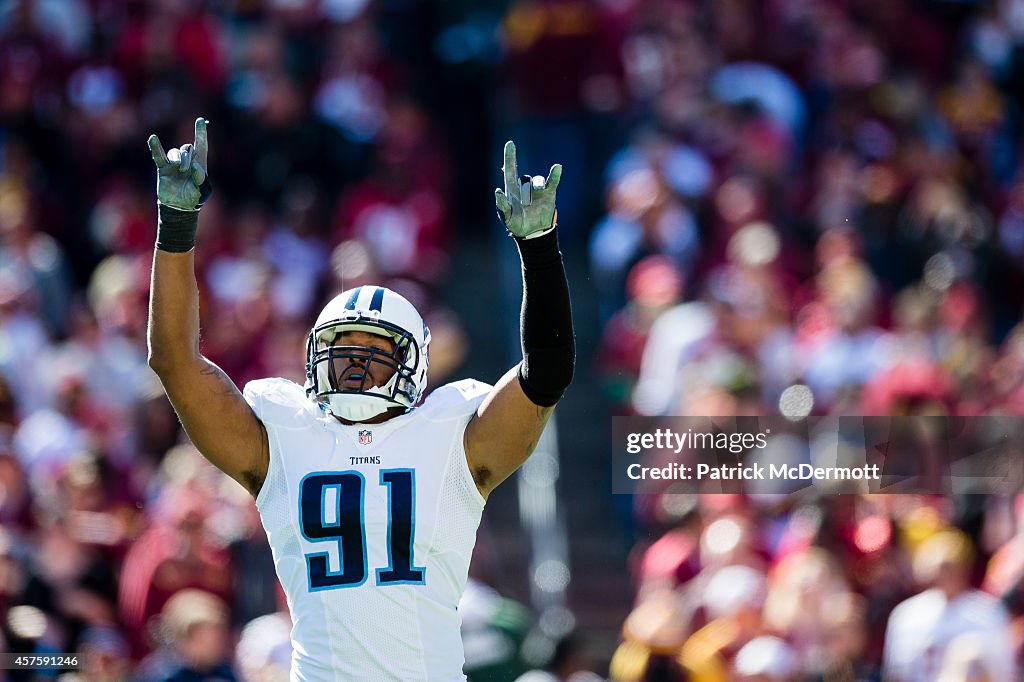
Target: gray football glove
<point>182,182</point>
<point>527,206</point>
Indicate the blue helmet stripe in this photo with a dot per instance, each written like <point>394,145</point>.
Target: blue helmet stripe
<point>377,300</point>
<point>350,304</point>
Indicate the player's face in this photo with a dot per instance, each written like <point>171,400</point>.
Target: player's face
<point>352,371</point>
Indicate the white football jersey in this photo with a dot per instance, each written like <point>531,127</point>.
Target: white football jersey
<point>372,527</point>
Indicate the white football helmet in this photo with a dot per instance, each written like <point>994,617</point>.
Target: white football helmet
<point>375,310</point>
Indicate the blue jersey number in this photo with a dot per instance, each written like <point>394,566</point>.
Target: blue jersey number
<point>331,510</point>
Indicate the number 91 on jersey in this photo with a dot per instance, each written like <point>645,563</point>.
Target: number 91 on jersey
<point>331,510</point>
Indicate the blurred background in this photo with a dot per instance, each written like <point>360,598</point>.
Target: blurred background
<point>807,207</point>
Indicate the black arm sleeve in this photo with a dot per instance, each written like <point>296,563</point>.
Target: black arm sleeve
<point>549,347</point>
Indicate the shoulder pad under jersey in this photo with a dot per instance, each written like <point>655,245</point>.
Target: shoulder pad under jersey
<point>457,399</point>
<point>280,401</point>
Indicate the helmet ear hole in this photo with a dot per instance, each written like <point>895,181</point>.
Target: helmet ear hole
<point>402,349</point>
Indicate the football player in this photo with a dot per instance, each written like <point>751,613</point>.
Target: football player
<point>370,494</point>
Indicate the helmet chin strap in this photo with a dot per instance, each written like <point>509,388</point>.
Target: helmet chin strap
<point>358,408</point>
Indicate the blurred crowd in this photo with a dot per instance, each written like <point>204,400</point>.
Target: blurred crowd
<point>116,539</point>
<point>807,207</point>
<point>842,587</point>
<point>813,213</point>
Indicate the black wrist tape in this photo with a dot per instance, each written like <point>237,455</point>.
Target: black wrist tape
<point>549,347</point>
<point>176,229</point>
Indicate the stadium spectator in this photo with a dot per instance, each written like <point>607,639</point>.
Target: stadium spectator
<point>106,656</point>
<point>195,625</point>
<point>175,553</point>
<point>653,285</point>
<point>926,631</point>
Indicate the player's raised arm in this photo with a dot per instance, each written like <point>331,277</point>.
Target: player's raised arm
<point>510,420</point>
<point>215,415</point>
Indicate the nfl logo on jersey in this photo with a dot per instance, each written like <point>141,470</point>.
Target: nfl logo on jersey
<point>365,437</point>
